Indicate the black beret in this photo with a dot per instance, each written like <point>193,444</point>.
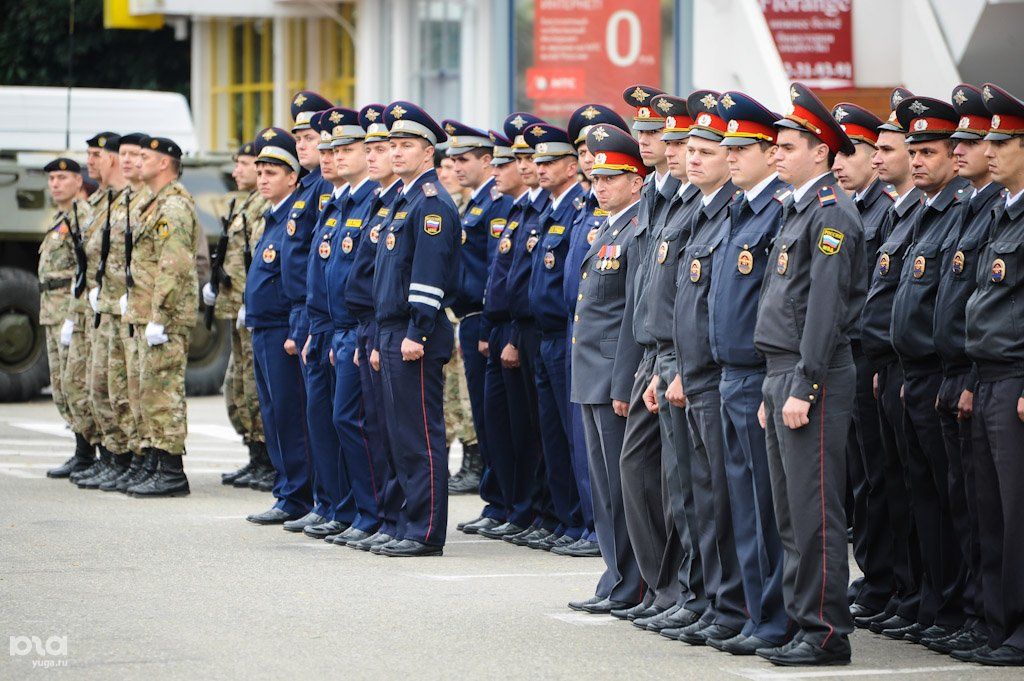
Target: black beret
<point>63,163</point>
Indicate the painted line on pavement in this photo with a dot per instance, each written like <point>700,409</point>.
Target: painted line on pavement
<point>501,575</point>
<point>583,619</point>
<point>755,674</point>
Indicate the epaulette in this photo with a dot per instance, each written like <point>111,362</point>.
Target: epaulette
<point>578,202</point>
<point>891,192</point>
<point>495,194</point>
<point>376,191</point>
<point>827,196</point>
<point>429,189</point>
<point>1004,192</point>
<point>960,194</point>
<point>782,194</point>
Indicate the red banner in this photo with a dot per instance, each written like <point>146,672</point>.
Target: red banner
<point>590,51</point>
<point>814,39</point>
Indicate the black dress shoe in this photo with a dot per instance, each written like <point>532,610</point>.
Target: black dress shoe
<point>742,645</point>
<point>299,524</point>
<point>524,538</point>
<point>901,633</point>
<point>646,614</point>
<point>1003,656</point>
<point>966,640</point>
<point>499,531</point>
<point>970,655</point>
<point>581,605</point>
<point>407,548</point>
<point>805,654</point>
<point>691,634</point>
<point>563,542</point>
<point>371,541</point>
<point>581,548</point>
<point>605,606</point>
<point>651,614</point>
<point>331,528</point>
<point>894,622</point>
<point>634,610</point>
<point>767,653</point>
<point>274,516</point>
<point>545,544</point>
<point>714,631</point>
<point>350,534</point>
<point>937,631</point>
<point>482,523</point>
<point>865,622</point>
<point>378,547</point>
<point>462,526</point>
<point>858,610</point>
<point>676,621</point>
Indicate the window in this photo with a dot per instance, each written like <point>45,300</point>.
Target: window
<point>438,40</point>
<point>242,85</point>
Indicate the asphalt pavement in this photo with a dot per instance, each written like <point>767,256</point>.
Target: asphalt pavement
<point>97,585</point>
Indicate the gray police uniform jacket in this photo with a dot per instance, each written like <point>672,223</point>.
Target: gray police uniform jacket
<point>600,373</point>
<point>813,288</point>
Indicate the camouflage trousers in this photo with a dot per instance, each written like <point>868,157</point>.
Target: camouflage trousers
<point>240,388</point>
<point>131,362</point>
<point>57,356</point>
<point>75,381</point>
<point>162,391</point>
<point>458,418</point>
<point>108,370</point>
<point>117,383</point>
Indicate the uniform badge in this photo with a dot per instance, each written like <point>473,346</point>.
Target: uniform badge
<point>601,213</point>
<point>958,262</point>
<point>531,243</point>
<point>325,249</point>
<point>464,236</point>
<point>346,245</point>
<point>429,189</point>
<point>831,240</point>
<point>663,252</point>
<point>331,222</point>
<point>324,198</point>
<point>745,262</point>
<point>591,235</point>
<point>290,228</point>
<point>432,224</point>
<point>505,245</point>
<point>163,230</point>
<point>476,210</point>
<point>782,264</point>
<point>497,227</point>
<point>919,265</point>
<point>883,264</point>
<point>998,270</point>
<point>383,212</point>
<point>695,271</point>
<point>375,234</point>
<point>390,241</point>
<point>269,254</point>
<point>354,222</point>
<point>549,260</point>
<point>577,203</point>
<point>827,197</point>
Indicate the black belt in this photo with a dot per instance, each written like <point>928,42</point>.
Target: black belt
<point>54,284</point>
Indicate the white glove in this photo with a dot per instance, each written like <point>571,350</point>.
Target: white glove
<point>155,334</point>
<point>240,320</point>
<point>209,297</point>
<point>123,302</point>
<point>65,332</point>
<point>94,298</point>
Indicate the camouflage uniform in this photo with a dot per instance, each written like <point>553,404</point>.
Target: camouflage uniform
<point>166,292</point>
<point>57,267</point>
<point>240,378</point>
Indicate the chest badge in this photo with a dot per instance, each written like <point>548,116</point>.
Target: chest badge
<point>464,236</point>
<point>531,242</point>
<point>325,249</point>
<point>998,270</point>
<point>389,242</point>
<point>346,245</point>
<point>919,267</point>
<point>269,254</point>
<point>695,271</point>
<point>782,264</point>
<point>290,228</point>
<point>505,245</point>
<point>375,234</point>
<point>883,264</point>
<point>663,253</point>
<point>591,235</point>
<point>745,262</point>
<point>549,260</point>
<point>958,262</point>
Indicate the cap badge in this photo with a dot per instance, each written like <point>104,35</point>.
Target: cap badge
<point>102,141</point>
<point>965,122</point>
<point>590,113</point>
<point>897,97</point>
<point>518,122</point>
<point>709,101</point>
<point>542,148</point>
<point>268,134</point>
<point>601,158</point>
<point>918,108</point>
<point>153,144</point>
<point>793,94</point>
<point>639,94</point>
<point>63,165</point>
<point>664,105</point>
<point>704,119</point>
<point>600,134</point>
<point>449,128</point>
<point>840,113</point>
<point>921,124</point>
<point>643,112</point>
<point>734,125</point>
<point>398,111</point>
<point>727,102</point>
<point>959,97</point>
<point>372,115</point>
<point>670,122</point>
<point>986,93</point>
<point>300,99</point>
<point>539,131</point>
<point>995,121</point>
<point>334,117</point>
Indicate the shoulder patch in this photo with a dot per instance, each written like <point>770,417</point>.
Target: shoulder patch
<point>497,227</point>
<point>827,197</point>
<point>163,230</point>
<point>831,240</point>
<point>495,194</point>
<point>429,189</point>
<point>432,224</point>
<point>324,198</point>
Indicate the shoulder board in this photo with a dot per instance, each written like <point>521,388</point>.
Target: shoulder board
<point>1004,192</point>
<point>299,204</point>
<point>557,229</point>
<point>891,192</point>
<point>376,191</point>
<point>429,189</point>
<point>495,194</point>
<point>578,202</point>
<point>782,195</point>
<point>827,196</point>
<point>961,194</point>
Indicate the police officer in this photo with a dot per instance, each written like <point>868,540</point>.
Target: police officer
<point>872,535</point>
<point>929,123</point>
<point>996,346</point>
<point>59,254</point>
<point>483,221</point>
<point>415,278</point>
<point>267,312</point>
<point>245,213</point>
<point>807,307</point>
<point>740,263</point>
<point>359,299</point>
<point>708,170</point>
<point>162,303</point>
<point>892,161</point>
<point>589,218</point>
<point>598,376</point>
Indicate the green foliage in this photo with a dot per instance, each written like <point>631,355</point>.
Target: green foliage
<point>35,45</point>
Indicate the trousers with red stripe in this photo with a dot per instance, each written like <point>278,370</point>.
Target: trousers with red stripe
<point>808,471</point>
<point>414,410</point>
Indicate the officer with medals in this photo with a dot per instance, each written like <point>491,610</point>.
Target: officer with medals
<point>995,344</point>
<point>929,123</point>
<point>267,312</point>
<point>483,220</point>
<point>809,302</point>
<point>358,296</point>
<point>872,538</point>
<point>589,217</point>
<point>892,162</point>
<point>597,375</point>
<point>416,277</point>
<point>740,263</point>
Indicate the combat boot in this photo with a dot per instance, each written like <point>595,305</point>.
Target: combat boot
<point>97,465</point>
<point>148,470</point>
<point>119,465</point>
<point>467,480</point>
<point>120,483</point>
<point>168,481</point>
<point>84,456</point>
<point>230,478</point>
<point>258,461</point>
<point>103,469</point>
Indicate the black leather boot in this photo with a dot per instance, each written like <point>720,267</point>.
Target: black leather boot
<point>230,478</point>
<point>168,481</point>
<point>84,456</point>
<point>147,467</point>
<point>92,469</point>
<point>131,465</point>
<point>259,461</point>
<point>467,480</point>
<point>106,471</point>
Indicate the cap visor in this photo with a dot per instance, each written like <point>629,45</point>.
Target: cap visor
<point>648,125</point>
<point>741,141</point>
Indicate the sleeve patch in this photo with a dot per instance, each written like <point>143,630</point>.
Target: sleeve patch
<point>432,224</point>
<point>497,227</point>
<point>830,241</point>
<point>163,230</point>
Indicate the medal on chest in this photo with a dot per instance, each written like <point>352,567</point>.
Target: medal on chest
<point>375,234</point>
<point>549,260</point>
<point>745,262</point>
<point>269,254</point>
<point>782,263</point>
<point>464,236</point>
<point>958,262</point>
<point>531,242</point>
<point>695,271</point>
<point>290,227</point>
<point>505,245</point>
<point>346,245</point>
<point>389,241</point>
<point>998,270</point>
<point>662,252</point>
<point>919,265</point>
<point>325,247</point>
<point>883,264</point>
<point>591,235</point>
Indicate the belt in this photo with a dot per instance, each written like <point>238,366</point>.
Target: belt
<point>54,284</point>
